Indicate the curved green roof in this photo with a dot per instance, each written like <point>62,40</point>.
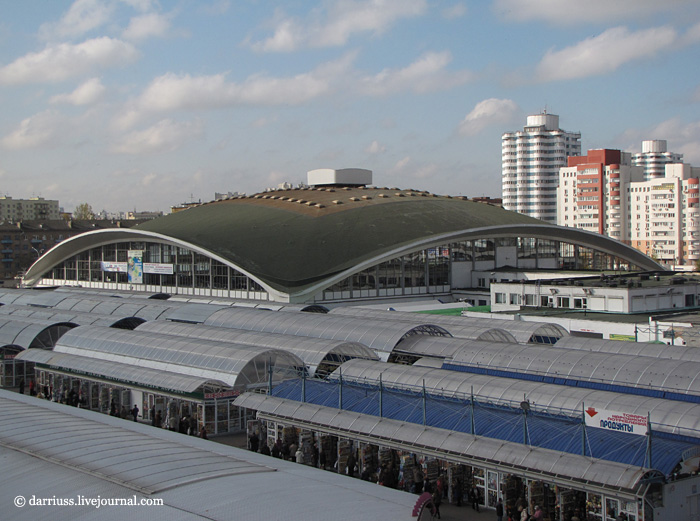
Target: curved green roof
<point>292,244</point>
<point>297,242</point>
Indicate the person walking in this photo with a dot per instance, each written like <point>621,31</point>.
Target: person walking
<point>135,412</point>
<point>499,510</point>
<point>437,499</point>
<point>474,493</point>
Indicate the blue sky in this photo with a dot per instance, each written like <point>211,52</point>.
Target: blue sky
<point>138,104</point>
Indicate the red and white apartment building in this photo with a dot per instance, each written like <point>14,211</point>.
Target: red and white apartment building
<point>610,192</point>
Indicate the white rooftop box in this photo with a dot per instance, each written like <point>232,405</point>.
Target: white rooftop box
<point>341,177</point>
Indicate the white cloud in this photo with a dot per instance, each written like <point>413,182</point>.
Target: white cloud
<point>401,164</point>
<point>455,11</point>
<point>147,25</point>
<point>427,74</point>
<point>86,94</point>
<point>39,130</point>
<point>337,23</point>
<point>692,35</point>
<point>489,112</point>
<point>165,136</point>
<point>82,17</point>
<point>604,53</point>
<point>576,12</point>
<point>375,148</point>
<point>61,62</point>
<point>173,92</point>
<point>682,137</point>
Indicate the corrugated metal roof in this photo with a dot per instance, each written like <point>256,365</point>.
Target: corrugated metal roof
<point>476,450</point>
<point>28,333</point>
<point>235,365</point>
<point>600,345</point>
<point>55,451</point>
<point>467,327</point>
<point>193,313</point>
<point>627,372</point>
<point>313,351</point>
<point>666,415</point>
<point>126,373</point>
<point>379,335</point>
<point>51,315</point>
<point>128,458</point>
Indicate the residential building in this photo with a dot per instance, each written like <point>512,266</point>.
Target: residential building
<point>604,192</point>
<point>654,157</point>
<point>145,215</point>
<point>592,192</point>
<point>664,216</point>
<point>34,208</point>
<point>531,159</point>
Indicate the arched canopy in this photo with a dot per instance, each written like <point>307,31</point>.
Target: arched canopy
<point>30,313</point>
<point>666,415</point>
<point>675,352</point>
<point>32,333</point>
<point>94,303</point>
<point>318,354</point>
<point>380,336</point>
<point>673,379</point>
<point>132,373</point>
<point>495,330</point>
<point>509,457</point>
<point>237,366</point>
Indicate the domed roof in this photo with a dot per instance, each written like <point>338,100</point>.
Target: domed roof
<point>293,238</point>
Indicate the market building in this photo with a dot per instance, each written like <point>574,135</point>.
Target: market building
<point>525,413</point>
<point>336,241</point>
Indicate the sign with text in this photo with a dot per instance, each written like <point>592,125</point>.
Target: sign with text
<point>616,421</point>
<point>119,267</point>
<point>158,268</point>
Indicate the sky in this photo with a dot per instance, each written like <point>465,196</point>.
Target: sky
<point>141,105</point>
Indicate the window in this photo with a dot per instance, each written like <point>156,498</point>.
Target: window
<point>500,298</point>
<point>515,299</point>
<point>580,303</point>
<point>562,302</point>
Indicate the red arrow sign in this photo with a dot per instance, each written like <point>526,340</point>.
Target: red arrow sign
<point>591,412</point>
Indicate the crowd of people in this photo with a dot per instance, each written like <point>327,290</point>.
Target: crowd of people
<point>186,424</point>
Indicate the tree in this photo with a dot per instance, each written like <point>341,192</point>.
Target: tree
<point>83,212</point>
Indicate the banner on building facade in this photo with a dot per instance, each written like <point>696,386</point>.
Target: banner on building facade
<point>616,421</point>
<point>118,267</point>
<point>158,268</point>
<point>135,267</point>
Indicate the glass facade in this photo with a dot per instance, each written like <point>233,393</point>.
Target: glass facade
<point>169,268</point>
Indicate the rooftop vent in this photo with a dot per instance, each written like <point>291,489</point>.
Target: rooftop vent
<point>342,177</point>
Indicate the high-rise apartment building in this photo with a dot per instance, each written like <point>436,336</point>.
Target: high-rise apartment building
<point>531,159</point>
<point>32,209</point>
<point>664,215</point>
<point>603,192</point>
<point>654,157</point>
<point>591,193</point>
